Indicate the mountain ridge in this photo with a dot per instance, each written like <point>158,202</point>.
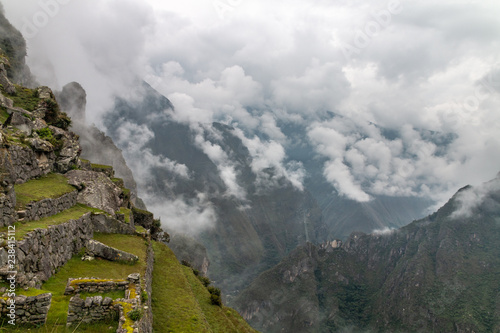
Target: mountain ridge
<point>436,274</point>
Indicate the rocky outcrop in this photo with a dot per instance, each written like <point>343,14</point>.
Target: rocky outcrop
<point>98,249</point>
<point>96,145</point>
<point>109,225</point>
<point>30,310</point>
<point>96,190</point>
<point>4,80</point>
<point>13,46</point>
<point>43,251</point>
<point>47,207</point>
<point>69,152</point>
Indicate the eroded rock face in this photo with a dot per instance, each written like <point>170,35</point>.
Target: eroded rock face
<point>96,190</point>
<point>70,150</point>
<point>4,80</point>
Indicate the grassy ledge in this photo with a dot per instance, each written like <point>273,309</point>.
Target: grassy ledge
<point>52,186</point>
<point>73,213</point>
<point>24,98</point>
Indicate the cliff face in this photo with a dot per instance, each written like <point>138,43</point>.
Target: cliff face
<point>437,274</point>
<point>96,145</point>
<point>13,46</point>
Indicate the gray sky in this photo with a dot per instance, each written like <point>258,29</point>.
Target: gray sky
<point>398,64</point>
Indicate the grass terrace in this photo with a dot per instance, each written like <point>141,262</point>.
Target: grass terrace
<point>52,186</point>
<point>74,213</point>
<point>76,268</point>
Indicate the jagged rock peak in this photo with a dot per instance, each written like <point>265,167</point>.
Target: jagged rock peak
<point>73,100</point>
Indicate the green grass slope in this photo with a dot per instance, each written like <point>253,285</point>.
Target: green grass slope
<point>53,185</point>
<point>182,304</point>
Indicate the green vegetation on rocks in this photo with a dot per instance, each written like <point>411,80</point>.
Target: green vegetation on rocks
<point>24,98</point>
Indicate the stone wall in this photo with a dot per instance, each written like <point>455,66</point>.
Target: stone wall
<point>43,251</point>
<point>30,310</point>
<point>96,309</point>
<point>90,310</point>
<point>23,163</point>
<point>109,225</point>
<point>48,207</point>
<point>94,285</point>
<point>7,210</point>
<point>146,322</point>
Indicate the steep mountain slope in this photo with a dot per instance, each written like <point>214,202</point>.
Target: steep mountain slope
<point>437,274</point>
<point>96,146</point>
<point>85,259</point>
<point>251,233</point>
<point>256,226</point>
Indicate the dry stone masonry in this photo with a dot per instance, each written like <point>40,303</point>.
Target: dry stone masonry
<point>47,207</point>
<point>7,207</point>
<point>90,310</point>
<point>94,285</point>
<point>28,309</point>
<point>97,308</point>
<point>43,251</point>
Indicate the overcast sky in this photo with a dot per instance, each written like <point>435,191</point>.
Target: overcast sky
<point>403,65</point>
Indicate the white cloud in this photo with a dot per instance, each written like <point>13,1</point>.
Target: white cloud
<point>269,62</point>
<point>268,155</point>
<point>470,198</point>
<point>185,216</point>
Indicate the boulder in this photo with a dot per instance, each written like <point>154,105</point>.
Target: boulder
<point>99,249</point>
<point>96,190</point>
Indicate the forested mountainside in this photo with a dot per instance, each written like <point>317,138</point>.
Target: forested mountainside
<point>438,274</point>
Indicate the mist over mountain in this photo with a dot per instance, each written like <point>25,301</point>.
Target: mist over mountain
<point>256,129</point>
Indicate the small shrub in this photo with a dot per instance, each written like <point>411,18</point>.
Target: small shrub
<point>135,315</point>
<point>47,135</point>
<point>22,138</point>
<point>144,296</point>
<point>82,251</point>
<point>204,280</point>
<point>215,300</point>
<point>54,116</point>
<point>213,290</point>
<point>185,263</point>
<point>196,272</point>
